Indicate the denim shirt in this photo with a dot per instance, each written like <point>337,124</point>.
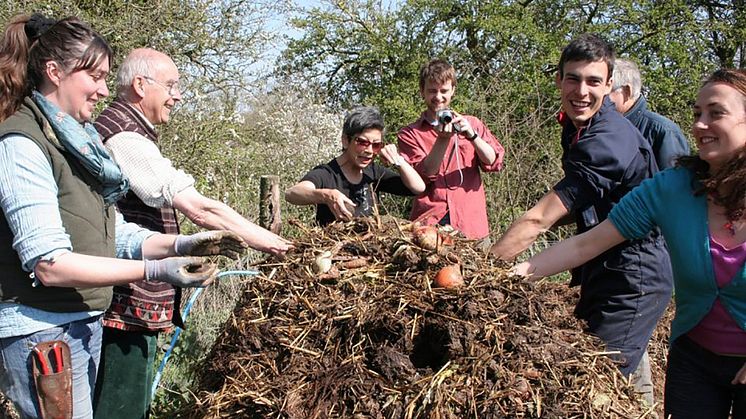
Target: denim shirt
<point>28,197</point>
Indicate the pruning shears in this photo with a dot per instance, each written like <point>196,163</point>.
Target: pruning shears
<point>51,362</point>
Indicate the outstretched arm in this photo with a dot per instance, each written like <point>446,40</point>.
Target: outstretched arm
<point>572,252</point>
<point>215,215</point>
<point>78,270</point>
<point>524,231</point>
<point>158,184</point>
<point>306,193</point>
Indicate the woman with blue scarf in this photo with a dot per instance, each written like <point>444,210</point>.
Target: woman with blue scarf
<point>59,231</point>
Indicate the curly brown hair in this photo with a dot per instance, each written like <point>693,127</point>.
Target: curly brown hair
<point>727,185</point>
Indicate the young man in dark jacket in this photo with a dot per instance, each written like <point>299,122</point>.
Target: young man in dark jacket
<point>625,290</point>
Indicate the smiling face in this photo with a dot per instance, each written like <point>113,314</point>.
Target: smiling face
<point>582,89</point>
<point>437,96</point>
<point>719,123</point>
<point>362,148</point>
<point>160,91</point>
<point>78,92</point>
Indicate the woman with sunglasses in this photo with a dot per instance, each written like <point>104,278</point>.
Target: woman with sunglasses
<point>59,232</point>
<point>346,186</point>
<point>699,208</point>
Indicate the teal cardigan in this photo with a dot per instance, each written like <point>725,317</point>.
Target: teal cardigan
<point>667,200</point>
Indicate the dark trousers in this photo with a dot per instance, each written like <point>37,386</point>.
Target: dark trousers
<point>698,383</point>
<point>125,375</point>
<point>623,294</point>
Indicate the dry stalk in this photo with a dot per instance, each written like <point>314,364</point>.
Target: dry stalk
<point>379,341</point>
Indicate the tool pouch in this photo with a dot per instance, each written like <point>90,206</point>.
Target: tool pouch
<point>54,390</point>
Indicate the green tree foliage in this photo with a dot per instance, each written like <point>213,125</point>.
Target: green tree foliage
<point>505,53</point>
<point>215,43</point>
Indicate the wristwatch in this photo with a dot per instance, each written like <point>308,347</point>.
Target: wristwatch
<point>473,137</point>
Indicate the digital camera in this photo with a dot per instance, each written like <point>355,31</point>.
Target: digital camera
<point>445,116</point>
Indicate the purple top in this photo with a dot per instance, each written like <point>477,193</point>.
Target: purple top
<point>718,332</point>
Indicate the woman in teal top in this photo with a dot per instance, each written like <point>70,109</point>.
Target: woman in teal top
<point>698,207</point>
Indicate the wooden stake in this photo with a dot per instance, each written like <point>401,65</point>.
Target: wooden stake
<point>269,203</point>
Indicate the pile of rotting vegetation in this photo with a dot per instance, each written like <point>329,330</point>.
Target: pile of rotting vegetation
<point>370,336</point>
<point>7,411</point>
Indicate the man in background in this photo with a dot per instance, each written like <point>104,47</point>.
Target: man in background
<point>665,137</point>
<point>449,154</point>
<point>147,90</point>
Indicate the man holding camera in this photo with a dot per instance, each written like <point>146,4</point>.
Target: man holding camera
<point>449,150</point>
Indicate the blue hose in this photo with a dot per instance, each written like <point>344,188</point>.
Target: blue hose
<point>177,330</point>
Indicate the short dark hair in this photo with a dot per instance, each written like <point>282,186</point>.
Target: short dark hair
<point>360,119</point>
<point>439,71</point>
<point>588,47</point>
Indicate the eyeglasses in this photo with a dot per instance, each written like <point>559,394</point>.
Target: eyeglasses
<point>172,87</point>
<point>363,143</point>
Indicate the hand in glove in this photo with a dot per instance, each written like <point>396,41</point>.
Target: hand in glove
<point>181,272</point>
<point>208,243</point>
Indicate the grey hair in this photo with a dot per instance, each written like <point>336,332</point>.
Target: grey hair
<point>626,73</point>
<point>360,119</point>
<point>136,64</point>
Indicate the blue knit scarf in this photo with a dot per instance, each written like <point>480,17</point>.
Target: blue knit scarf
<point>83,142</point>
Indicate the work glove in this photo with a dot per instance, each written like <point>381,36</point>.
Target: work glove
<point>208,243</point>
<point>181,271</point>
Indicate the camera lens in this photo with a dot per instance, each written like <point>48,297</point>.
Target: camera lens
<point>444,116</point>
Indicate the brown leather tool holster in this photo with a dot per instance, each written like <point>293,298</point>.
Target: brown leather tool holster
<point>52,373</point>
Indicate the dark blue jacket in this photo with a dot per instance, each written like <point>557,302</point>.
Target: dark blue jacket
<point>626,289</point>
<point>602,162</point>
<point>664,136</point>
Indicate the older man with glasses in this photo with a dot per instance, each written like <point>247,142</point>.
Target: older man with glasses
<point>664,136</point>
<point>346,186</point>
<point>147,91</point>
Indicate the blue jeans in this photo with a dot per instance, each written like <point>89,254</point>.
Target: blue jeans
<point>698,383</point>
<point>84,339</point>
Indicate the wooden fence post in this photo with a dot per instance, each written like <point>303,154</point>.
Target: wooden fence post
<point>269,203</point>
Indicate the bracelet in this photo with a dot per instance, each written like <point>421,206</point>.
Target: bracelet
<point>473,137</point>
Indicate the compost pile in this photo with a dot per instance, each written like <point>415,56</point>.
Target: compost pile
<point>350,325</point>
